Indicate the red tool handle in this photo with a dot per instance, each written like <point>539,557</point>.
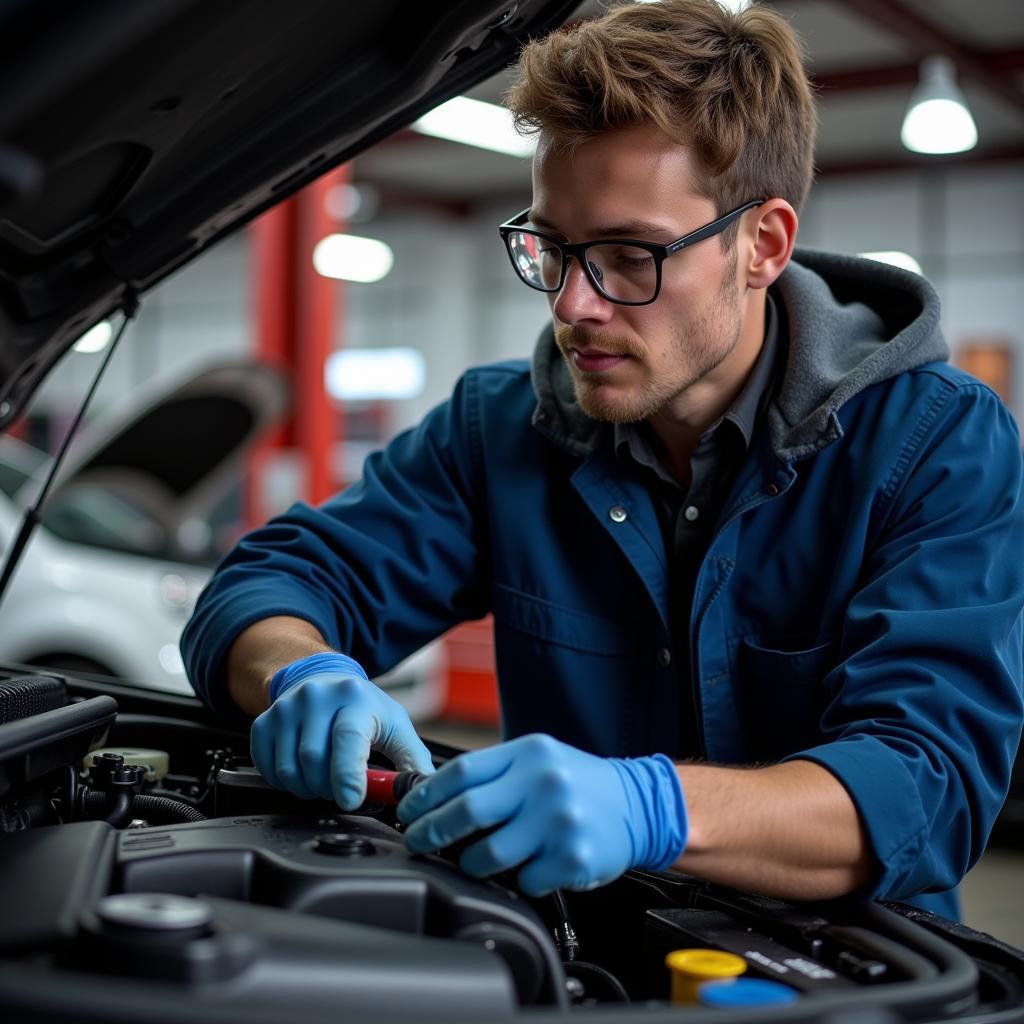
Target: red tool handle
<point>380,786</point>
<point>384,787</point>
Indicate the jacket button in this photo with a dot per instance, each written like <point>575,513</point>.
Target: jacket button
<point>617,514</point>
<point>773,490</point>
<point>664,657</point>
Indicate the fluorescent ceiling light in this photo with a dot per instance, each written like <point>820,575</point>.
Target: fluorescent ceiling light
<point>351,258</point>
<point>895,259</point>
<point>937,118</point>
<point>475,123</point>
<point>370,374</point>
<point>96,339</point>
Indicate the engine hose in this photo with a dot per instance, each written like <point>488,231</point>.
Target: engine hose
<point>121,812</point>
<point>162,810</point>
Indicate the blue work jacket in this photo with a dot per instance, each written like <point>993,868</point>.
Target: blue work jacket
<point>859,606</point>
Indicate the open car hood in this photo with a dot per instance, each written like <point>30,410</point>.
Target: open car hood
<point>135,135</point>
<point>171,450</point>
<point>183,438</point>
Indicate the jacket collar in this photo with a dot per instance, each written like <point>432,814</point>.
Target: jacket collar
<point>851,323</point>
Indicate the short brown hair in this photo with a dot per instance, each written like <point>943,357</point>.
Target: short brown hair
<point>731,86</point>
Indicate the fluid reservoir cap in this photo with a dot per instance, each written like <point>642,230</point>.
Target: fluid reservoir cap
<point>154,912</point>
<point>343,844</point>
<point>156,762</point>
<point>705,964</point>
<point>737,992</point>
<point>692,967</point>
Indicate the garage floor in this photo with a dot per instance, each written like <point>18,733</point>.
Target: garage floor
<point>993,893</point>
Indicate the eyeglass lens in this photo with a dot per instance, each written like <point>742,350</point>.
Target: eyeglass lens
<point>622,272</point>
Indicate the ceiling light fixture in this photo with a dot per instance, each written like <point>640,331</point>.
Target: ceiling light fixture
<point>351,258</point>
<point>937,119</point>
<point>475,123</point>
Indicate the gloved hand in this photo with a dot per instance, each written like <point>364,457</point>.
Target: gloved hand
<point>579,820</point>
<point>325,717</point>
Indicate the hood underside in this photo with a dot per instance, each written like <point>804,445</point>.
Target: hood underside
<point>135,135</point>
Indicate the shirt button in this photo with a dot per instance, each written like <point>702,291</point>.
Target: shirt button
<point>617,514</point>
<point>664,657</point>
<point>773,490</point>
<point>691,513</point>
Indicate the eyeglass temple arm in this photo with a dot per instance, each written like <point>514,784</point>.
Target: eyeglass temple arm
<point>714,228</point>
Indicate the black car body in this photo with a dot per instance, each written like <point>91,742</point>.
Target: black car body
<point>132,137</point>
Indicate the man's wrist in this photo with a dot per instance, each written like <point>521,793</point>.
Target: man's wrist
<point>289,676</point>
<point>260,650</point>
<point>657,816</point>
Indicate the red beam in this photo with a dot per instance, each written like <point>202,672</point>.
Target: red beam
<point>924,38</point>
<point>860,79</point>
<point>889,75</point>
<point>914,162</point>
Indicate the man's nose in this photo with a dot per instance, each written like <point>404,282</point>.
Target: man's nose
<point>578,300</point>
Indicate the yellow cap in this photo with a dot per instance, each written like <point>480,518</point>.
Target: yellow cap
<point>692,967</point>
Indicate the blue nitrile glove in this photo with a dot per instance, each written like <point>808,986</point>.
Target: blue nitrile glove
<point>324,718</point>
<point>579,820</point>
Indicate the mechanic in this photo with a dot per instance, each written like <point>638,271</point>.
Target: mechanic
<point>752,547</point>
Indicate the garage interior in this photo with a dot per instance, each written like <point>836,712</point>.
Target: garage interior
<point>959,217</point>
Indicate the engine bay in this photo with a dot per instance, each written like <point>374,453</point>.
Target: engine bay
<point>150,873</point>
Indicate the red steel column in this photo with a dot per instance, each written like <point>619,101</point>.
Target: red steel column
<point>270,246</point>
<point>318,425</point>
<point>295,310</point>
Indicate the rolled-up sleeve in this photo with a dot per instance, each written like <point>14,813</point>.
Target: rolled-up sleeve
<point>925,707</point>
<point>380,569</point>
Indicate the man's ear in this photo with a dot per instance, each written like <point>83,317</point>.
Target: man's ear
<point>770,234</point>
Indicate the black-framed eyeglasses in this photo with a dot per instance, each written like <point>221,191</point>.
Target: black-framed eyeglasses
<point>623,270</point>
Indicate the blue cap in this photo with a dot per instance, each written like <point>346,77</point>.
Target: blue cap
<point>735,992</point>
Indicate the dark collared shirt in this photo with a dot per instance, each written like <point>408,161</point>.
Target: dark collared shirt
<point>688,515</point>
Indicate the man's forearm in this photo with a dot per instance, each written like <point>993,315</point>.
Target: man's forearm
<point>788,830</point>
<point>260,650</point>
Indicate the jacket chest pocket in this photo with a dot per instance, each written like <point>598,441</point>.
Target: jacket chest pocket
<point>782,696</point>
<point>569,673</point>
<point>558,624</point>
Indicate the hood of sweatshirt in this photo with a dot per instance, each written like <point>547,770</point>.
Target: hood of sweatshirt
<point>852,323</point>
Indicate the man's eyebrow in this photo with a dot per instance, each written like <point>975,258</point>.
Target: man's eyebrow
<point>643,230</point>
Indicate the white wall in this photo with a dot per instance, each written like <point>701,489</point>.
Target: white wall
<point>965,227</point>
<point>453,294</point>
<point>197,316</point>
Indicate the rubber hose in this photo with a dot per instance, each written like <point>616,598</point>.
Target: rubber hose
<point>121,812</point>
<point>162,810</point>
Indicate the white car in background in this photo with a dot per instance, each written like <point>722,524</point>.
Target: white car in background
<point>125,543</point>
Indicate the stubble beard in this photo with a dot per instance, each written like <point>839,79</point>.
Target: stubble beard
<point>695,352</point>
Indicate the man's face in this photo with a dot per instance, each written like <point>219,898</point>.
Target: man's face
<point>630,362</point>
